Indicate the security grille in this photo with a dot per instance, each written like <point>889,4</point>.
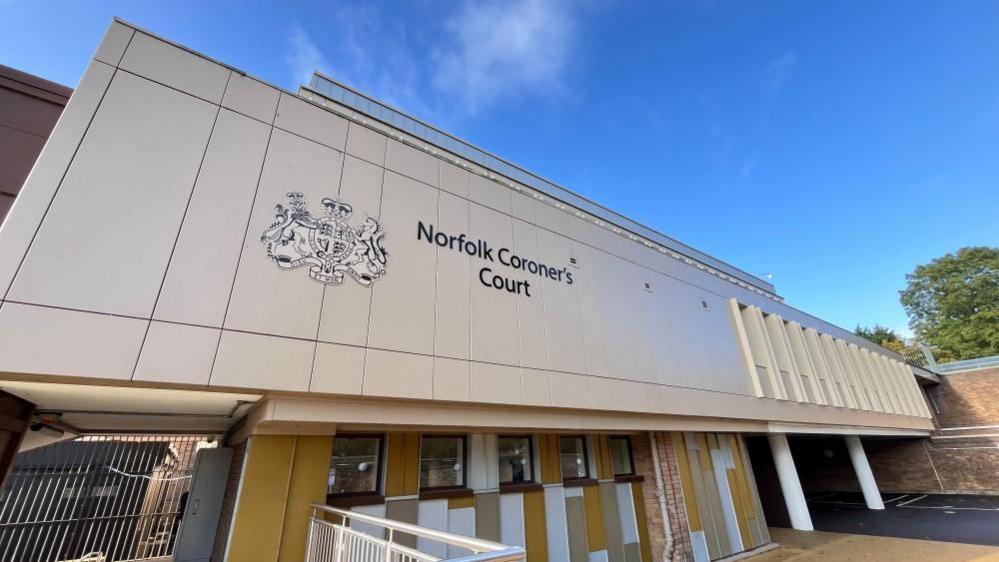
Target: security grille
<point>98,498</point>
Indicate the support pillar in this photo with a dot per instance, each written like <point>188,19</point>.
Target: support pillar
<point>864,475</point>
<point>797,508</point>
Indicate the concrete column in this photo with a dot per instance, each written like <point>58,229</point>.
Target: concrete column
<point>797,508</point>
<point>864,475</point>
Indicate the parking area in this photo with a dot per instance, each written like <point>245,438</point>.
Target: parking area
<point>961,518</point>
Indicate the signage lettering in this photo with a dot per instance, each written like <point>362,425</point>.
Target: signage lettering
<point>481,249</point>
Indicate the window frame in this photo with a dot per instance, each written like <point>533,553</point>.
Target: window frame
<point>530,458</point>
<point>377,493</point>
<point>464,463</point>
<point>631,455</point>
<point>586,459</point>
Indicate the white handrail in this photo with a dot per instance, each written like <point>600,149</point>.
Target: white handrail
<point>483,550</point>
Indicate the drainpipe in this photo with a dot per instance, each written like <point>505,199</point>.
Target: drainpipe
<point>661,494</point>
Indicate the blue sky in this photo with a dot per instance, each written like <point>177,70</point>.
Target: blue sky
<point>834,145</point>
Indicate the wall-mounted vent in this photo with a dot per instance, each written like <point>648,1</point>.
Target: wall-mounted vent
<point>648,287</point>
<point>704,305</point>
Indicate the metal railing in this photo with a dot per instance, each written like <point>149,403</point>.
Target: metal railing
<point>968,365</point>
<point>332,539</point>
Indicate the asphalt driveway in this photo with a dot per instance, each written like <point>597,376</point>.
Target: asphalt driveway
<point>937,517</point>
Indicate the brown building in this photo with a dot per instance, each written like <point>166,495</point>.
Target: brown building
<point>29,109</point>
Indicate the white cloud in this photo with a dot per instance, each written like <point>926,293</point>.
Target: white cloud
<point>779,72</point>
<point>303,56</point>
<point>495,50</point>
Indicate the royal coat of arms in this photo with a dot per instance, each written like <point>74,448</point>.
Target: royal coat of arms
<point>328,244</point>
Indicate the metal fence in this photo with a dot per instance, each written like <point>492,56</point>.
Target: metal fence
<point>98,498</point>
<point>333,539</point>
<point>969,365</point>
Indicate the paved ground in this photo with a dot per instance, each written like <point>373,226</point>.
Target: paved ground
<point>949,518</point>
<point>819,545</point>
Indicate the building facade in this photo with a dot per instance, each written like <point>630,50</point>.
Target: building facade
<point>382,317</point>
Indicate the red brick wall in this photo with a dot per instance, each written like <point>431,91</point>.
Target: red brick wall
<point>229,501</point>
<point>967,399</point>
<point>675,510</point>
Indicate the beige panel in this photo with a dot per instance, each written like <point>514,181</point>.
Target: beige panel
<point>725,348</point>
<point>864,387</point>
<point>537,391</point>
<point>199,279</point>
<point>311,121</point>
<point>870,378</point>
<point>485,191</point>
<point>251,97</point>
<point>451,379</point>
<point>346,307</point>
<point>804,363</point>
<point>591,323</point>
<point>614,281</point>
<point>20,225</point>
<point>116,240</point>
<point>402,375</point>
<point>569,391</point>
<point>637,302</point>
<point>177,353</point>
<point>402,303</point>
<point>338,369</point>
<point>785,361</point>
<point>112,47</point>
<point>454,276</point>
<point>532,321</point>
<point>890,383</point>
<point>888,398</point>
<point>265,298</point>
<point>454,180</point>
<point>829,385</point>
<point>851,376</point>
<point>411,162</point>
<point>494,312</point>
<point>601,393</point>
<point>366,144</point>
<point>762,354</point>
<point>496,383</point>
<point>828,347</point>
<point>523,207</point>
<point>254,361</point>
<point>561,307</point>
<point>175,67</point>
<point>52,341</point>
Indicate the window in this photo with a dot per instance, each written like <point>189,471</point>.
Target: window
<point>516,461</point>
<point>442,462</point>
<point>572,454</point>
<point>356,466</point>
<point>621,459</point>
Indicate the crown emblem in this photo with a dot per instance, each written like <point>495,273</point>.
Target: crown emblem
<point>327,244</point>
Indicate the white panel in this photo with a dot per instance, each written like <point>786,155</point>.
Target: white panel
<point>411,162</point>
<point>486,192</point>
<point>612,277</point>
<point>499,384</point>
<point>403,375</point>
<point>346,307</point>
<point>254,361</point>
<point>569,390</point>
<point>591,322</point>
<point>537,391</point>
<point>512,519</point>
<point>175,67</point>
<point>598,556</point>
<point>367,528</point>
<point>402,302</point>
<point>118,211</point>
<point>177,353</point>
<point>432,514</point>
<point>366,143</point>
<point>626,505</point>
<point>251,97</point>
<point>21,223</point>
<point>113,45</point>
<point>266,298</point>
<point>561,306</point>
<point>722,462</point>
<point>337,369</point>
<point>41,340</point>
<point>700,545</point>
<point>451,338</point>
<point>451,379</point>
<point>460,522</point>
<point>199,279</point>
<point>531,317</point>
<point>483,454</point>
<point>311,121</point>
<point>494,312</point>
<point>558,529</point>
<point>454,180</point>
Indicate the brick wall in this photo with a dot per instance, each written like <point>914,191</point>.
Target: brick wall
<point>229,500</point>
<point>675,509</point>
<point>967,399</point>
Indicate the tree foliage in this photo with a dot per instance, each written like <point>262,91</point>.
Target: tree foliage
<point>953,302</point>
<point>878,334</point>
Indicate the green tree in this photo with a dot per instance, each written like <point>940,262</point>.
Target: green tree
<point>953,302</point>
<point>878,334</point>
